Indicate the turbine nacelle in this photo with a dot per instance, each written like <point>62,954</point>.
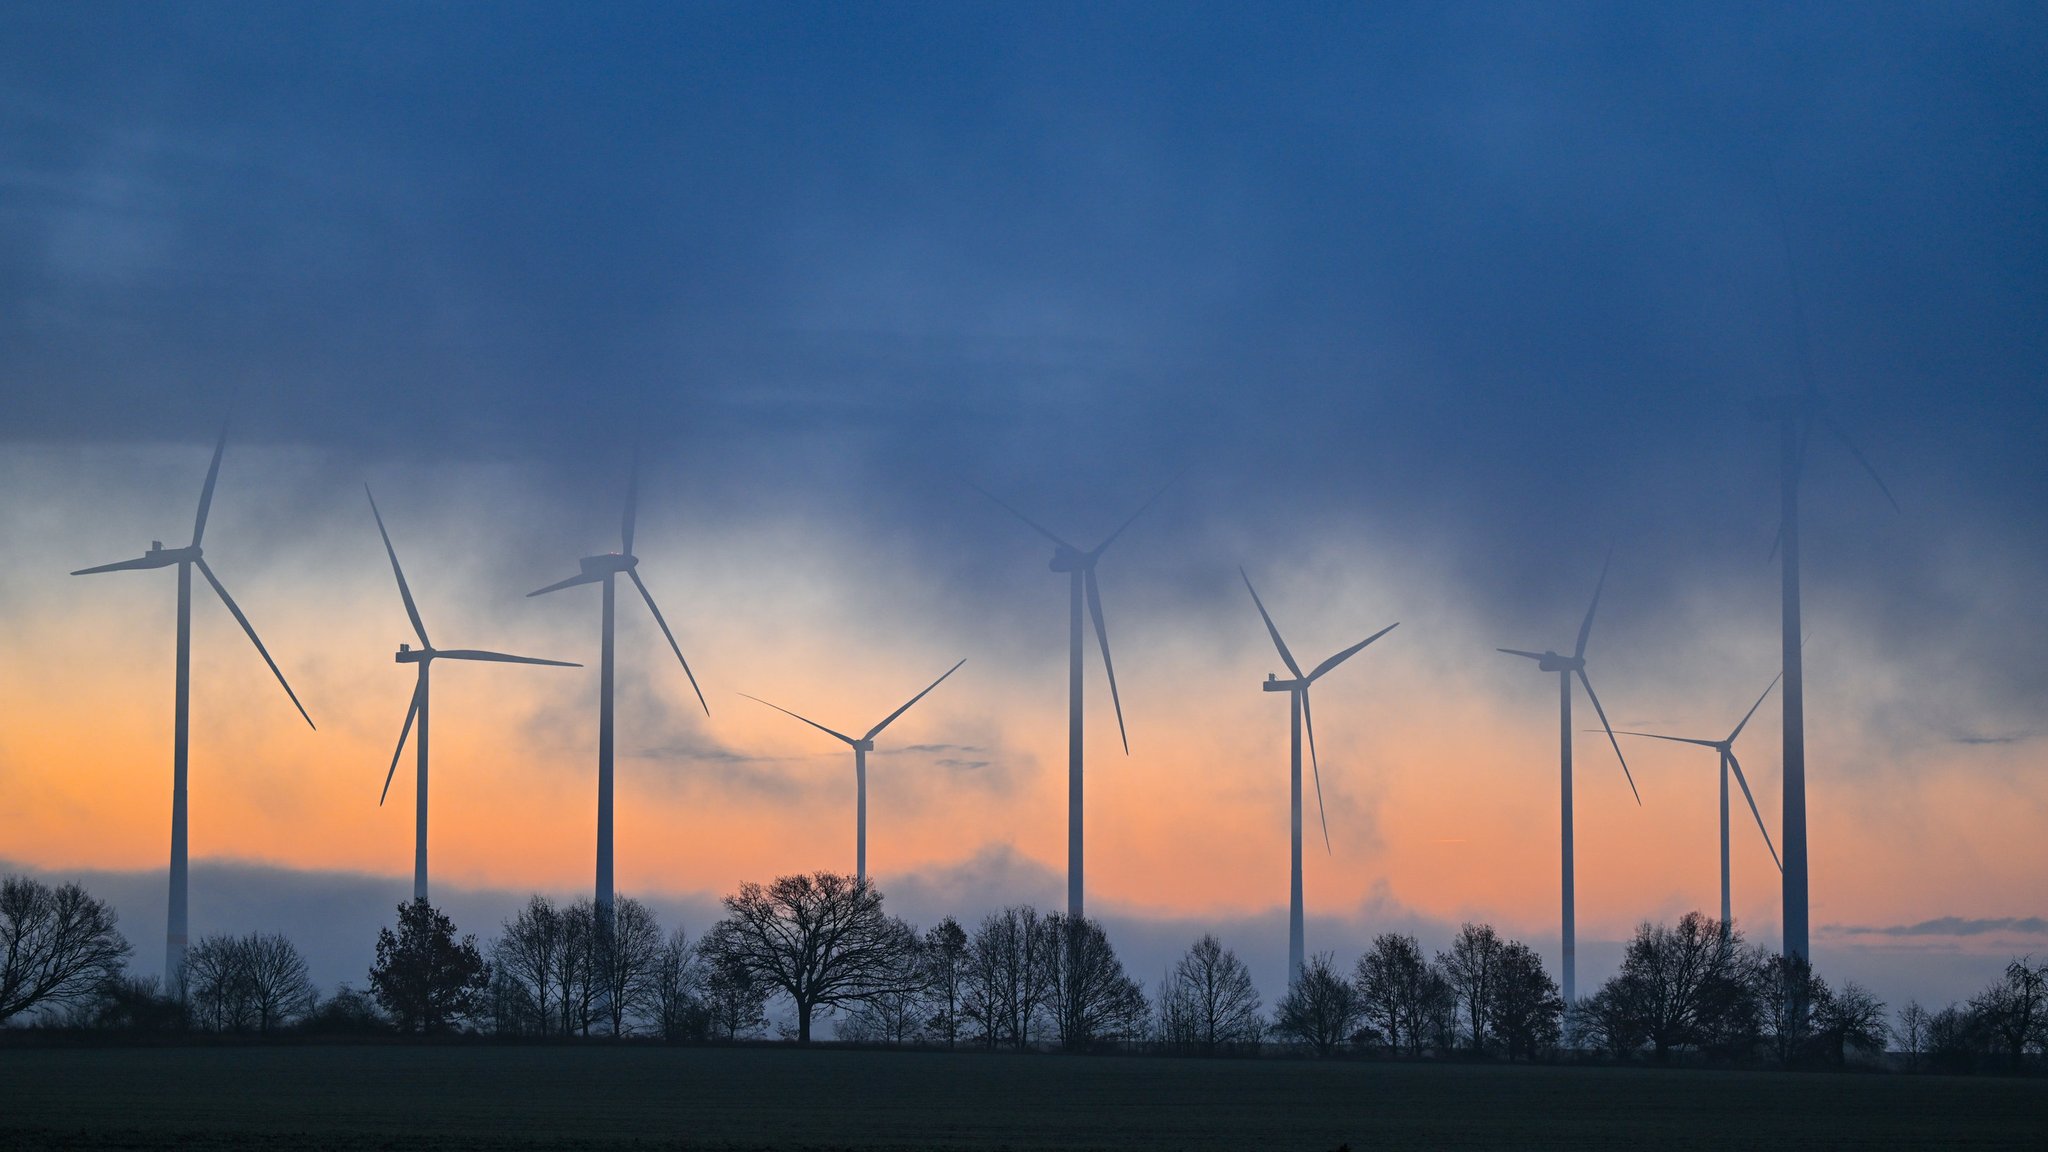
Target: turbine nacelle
<point>608,563</point>
<point>407,654</point>
<point>1552,662</point>
<point>1065,559</point>
<point>1274,684</point>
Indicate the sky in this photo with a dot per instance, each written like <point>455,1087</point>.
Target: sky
<point>1417,312</point>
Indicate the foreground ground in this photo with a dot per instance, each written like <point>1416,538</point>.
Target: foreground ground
<point>392,1097</point>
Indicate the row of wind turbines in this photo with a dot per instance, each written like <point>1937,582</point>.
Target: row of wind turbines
<point>1798,418</point>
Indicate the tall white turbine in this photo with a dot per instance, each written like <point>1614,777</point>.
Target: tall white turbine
<point>1300,717</point>
<point>186,559</point>
<point>605,570</point>
<point>861,746</point>
<point>424,656</point>
<point>1796,417</point>
<point>1566,667</point>
<point>1728,761</point>
<point>1080,569</point>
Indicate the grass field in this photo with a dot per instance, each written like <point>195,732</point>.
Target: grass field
<point>394,1097</point>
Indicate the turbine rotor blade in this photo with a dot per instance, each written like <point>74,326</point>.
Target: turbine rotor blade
<point>410,712</point>
<point>1836,430</point>
<point>806,719</point>
<point>1594,697</point>
<point>412,610</point>
<point>236,611</point>
<point>140,562</point>
<point>1346,654</point>
<point>571,582</point>
<point>673,646</point>
<point>1153,499</point>
<point>877,729</point>
<point>1744,781</point>
<point>632,504</point>
<point>500,657</point>
<point>1519,652</point>
<point>1675,739</point>
<point>1586,626</point>
<point>1753,707</point>
<point>1308,721</point>
<point>1271,630</point>
<point>1033,524</point>
<point>206,491</point>
<point>1102,641</point>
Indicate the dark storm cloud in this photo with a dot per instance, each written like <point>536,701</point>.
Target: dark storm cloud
<point>1495,280</point>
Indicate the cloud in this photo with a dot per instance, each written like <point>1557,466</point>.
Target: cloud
<point>1951,926</point>
<point>1978,740</point>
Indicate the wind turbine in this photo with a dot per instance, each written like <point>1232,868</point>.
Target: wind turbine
<point>605,570</point>
<point>1796,417</point>
<point>187,558</point>
<point>1566,667</point>
<point>424,656</point>
<point>1300,717</point>
<point>1080,569</point>
<point>861,747</point>
<point>1726,748</point>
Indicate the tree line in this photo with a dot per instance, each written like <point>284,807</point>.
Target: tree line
<point>821,945</point>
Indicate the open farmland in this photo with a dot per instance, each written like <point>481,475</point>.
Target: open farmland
<point>463,1096</point>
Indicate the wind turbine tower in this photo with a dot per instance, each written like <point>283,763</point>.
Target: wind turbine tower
<point>1079,567</point>
<point>186,559</point>
<point>1567,667</point>
<point>861,745</point>
<point>424,657</point>
<point>1726,748</point>
<point>1301,717</point>
<point>605,570</point>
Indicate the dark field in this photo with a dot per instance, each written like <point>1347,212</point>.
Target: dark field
<point>514,1097</point>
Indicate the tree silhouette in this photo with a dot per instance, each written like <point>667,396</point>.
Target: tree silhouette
<point>1088,993</point>
<point>1320,1008</point>
<point>426,980</point>
<point>945,961</point>
<point>1473,968</point>
<point>1396,988</point>
<point>57,945</point>
<point>820,939</point>
<point>1208,1000</point>
<point>1005,986</point>
<point>1527,1010</point>
<point>524,959</point>
<point>240,983</point>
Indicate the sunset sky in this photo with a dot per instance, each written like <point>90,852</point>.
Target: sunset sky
<point>1429,307</point>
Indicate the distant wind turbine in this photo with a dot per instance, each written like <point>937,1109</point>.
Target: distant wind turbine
<point>1300,717</point>
<point>1566,667</point>
<point>188,558</point>
<point>1080,569</point>
<point>424,656</point>
<point>605,570</point>
<point>1796,417</point>
<point>1726,748</point>
<point>861,746</point>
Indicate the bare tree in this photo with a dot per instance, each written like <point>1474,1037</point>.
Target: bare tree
<point>1086,987</point>
<point>1005,986</point>
<point>575,991</point>
<point>57,945</point>
<point>675,986</point>
<point>897,1013</point>
<point>1912,1032</point>
<point>1786,991</point>
<point>215,985</point>
<point>735,1003</point>
<point>623,960</point>
<point>1678,985</point>
<point>2014,1011</point>
<point>1473,968</point>
<point>1850,1017</point>
<point>524,959</point>
<point>279,987</point>
<point>1395,986</point>
<point>820,939</point>
<point>945,960</point>
<point>1320,1008</point>
<point>1208,1001</point>
<point>1526,1012</point>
